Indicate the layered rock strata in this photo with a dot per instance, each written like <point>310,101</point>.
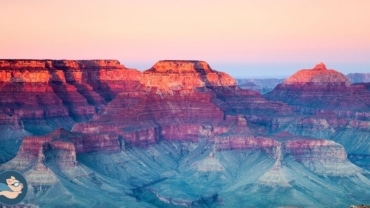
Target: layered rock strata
<point>184,76</point>
<point>60,147</point>
<point>35,90</point>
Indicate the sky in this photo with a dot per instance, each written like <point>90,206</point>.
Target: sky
<point>246,38</point>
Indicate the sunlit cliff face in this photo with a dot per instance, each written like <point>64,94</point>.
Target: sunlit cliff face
<point>184,75</point>
<point>43,71</point>
<point>181,66</point>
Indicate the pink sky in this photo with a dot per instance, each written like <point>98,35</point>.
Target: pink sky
<point>219,31</point>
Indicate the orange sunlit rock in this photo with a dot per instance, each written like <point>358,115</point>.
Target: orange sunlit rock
<point>319,75</point>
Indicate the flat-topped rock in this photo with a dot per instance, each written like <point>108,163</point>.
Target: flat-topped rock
<point>168,75</point>
<point>42,63</point>
<point>181,66</point>
<point>20,63</point>
<point>86,64</point>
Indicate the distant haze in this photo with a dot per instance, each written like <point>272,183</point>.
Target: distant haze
<point>245,38</point>
<point>268,70</point>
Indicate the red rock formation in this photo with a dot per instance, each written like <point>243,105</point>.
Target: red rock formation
<point>34,90</point>
<point>184,75</point>
<point>21,63</point>
<point>170,108</point>
<point>319,75</point>
<point>314,90</point>
<point>181,67</point>
<point>181,102</point>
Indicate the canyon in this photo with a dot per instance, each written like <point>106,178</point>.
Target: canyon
<point>182,134</point>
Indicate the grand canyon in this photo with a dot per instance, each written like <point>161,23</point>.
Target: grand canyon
<point>94,133</point>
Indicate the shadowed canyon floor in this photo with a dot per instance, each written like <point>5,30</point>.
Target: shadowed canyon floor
<point>181,134</point>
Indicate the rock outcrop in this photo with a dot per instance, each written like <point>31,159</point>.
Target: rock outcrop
<point>319,75</point>
<point>184,75</point>
<point>317,89</point>
<point>324,157</point>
